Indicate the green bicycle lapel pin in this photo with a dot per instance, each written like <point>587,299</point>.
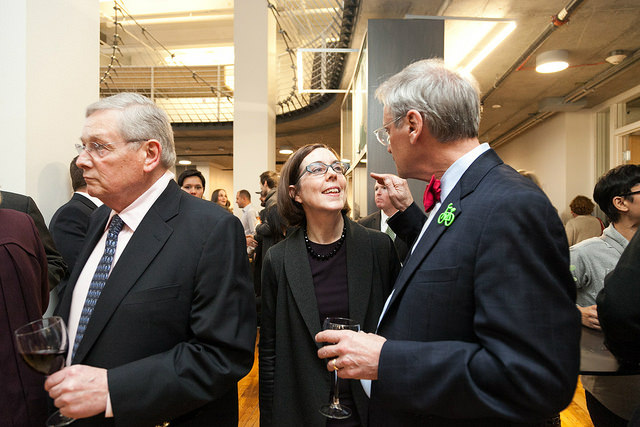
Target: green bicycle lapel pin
<point>447,216</point>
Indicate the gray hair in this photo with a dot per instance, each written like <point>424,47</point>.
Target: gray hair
<point>448,100</point>
<point>141,119</point>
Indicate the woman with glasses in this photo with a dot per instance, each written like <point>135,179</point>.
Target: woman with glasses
<point>328,266</point>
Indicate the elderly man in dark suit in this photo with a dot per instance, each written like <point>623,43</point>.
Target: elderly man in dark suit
<point>481,328</point>
<point>378,219</point>
<point>69,224</point>
<point>160,304</point>
<point>56,267</point>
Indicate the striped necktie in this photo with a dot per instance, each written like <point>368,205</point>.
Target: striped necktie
<point>99,279</point>
<point>390,232</point>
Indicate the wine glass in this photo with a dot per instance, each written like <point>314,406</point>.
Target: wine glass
<point>333,409</point>
<point>43,345</point>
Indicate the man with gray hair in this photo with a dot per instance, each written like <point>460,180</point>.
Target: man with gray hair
<point>481,327</point>
<point>159,307</point>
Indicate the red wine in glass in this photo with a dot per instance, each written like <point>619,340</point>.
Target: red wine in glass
<point>43,345</point>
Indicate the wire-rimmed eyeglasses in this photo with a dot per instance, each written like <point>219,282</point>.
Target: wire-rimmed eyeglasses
<point>94,147</point>
<point>383,134</point>
<point>319,168</point>
<point>100,150</point>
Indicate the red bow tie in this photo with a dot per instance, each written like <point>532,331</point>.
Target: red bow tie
<point>431,194</point>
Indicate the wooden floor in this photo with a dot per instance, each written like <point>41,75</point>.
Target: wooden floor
<point>576,414</point>
<point>249,414</point>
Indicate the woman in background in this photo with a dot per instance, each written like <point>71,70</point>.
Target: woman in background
<point>329,266</point>
<point>192,181</point>
<point>583,225</point>
<point>219,196</point>
<point>24,295</point>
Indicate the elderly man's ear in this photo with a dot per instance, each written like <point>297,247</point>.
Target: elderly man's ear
<point>415,125</point>
<point>153,151</point>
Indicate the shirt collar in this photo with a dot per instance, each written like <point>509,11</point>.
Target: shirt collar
<point>453,174</point>
<point>95,200</point>
<point>133,214</point>
<point>383,217</point>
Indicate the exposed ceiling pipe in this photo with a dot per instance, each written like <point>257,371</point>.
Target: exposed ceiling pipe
<point>573,96</point>
<point>558,20</point>
<point>601,78</point>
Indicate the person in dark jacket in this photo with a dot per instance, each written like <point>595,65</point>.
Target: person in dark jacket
<point>327,266</point>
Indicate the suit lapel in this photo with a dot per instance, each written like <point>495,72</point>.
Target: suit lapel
<point>466,185</point>
<point>94,233</point>
<point>298,272</point>
<point>146,242</point>
<point>432,234</point>
<point>359,270</point>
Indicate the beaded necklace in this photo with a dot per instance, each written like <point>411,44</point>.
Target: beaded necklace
<point>336,248</point>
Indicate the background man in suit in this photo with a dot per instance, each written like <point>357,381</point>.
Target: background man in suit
<point>165,327</point>
<point>481,327</point>
<point>378,220</point>
<point>69,224</point>
<point>56,267</point>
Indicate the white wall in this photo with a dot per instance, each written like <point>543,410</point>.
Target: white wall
<point>560,152</point>
<point>52,49</point>
<point>219,178</point>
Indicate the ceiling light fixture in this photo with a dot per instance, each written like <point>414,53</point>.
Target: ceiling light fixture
<point>552,61</point>
<point>184,162</point>
<point>286,149</point>
<point>616,56</point>
<point>499,38</point>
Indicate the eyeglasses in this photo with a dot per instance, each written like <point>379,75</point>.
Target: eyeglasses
<point>94,147</point>
<point>100,150</point>
<point>382,134</point>
<point>319,168</point>
<point>631,193</point>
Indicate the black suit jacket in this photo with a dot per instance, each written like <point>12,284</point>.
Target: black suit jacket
<point>57,268</point>
<point>294,382</point>
<point>175,325</point>
<point>373,221</point>
<point>69,226</point>
<point>482,326</point>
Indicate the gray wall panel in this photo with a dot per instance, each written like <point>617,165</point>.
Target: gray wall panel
<point>392,45</point>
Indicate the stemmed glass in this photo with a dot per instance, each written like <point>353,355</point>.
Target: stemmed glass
<point>43,345</point>
<point>333,409</point>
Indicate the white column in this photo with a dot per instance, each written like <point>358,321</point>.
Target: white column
<point>49,74</point>
<point>254,116</point>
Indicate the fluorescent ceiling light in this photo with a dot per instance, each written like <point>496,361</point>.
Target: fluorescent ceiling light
<point>469,40</point>
<point>552,61</point>
<point>499,38</point>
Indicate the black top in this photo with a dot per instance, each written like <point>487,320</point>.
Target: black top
<point>332,294</point>
<point>330,281</point>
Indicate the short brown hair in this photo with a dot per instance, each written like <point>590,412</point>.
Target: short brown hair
<point>581,205</point>
<point>270,177</point>
<point>291,210</point>
<point>77,180</point>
